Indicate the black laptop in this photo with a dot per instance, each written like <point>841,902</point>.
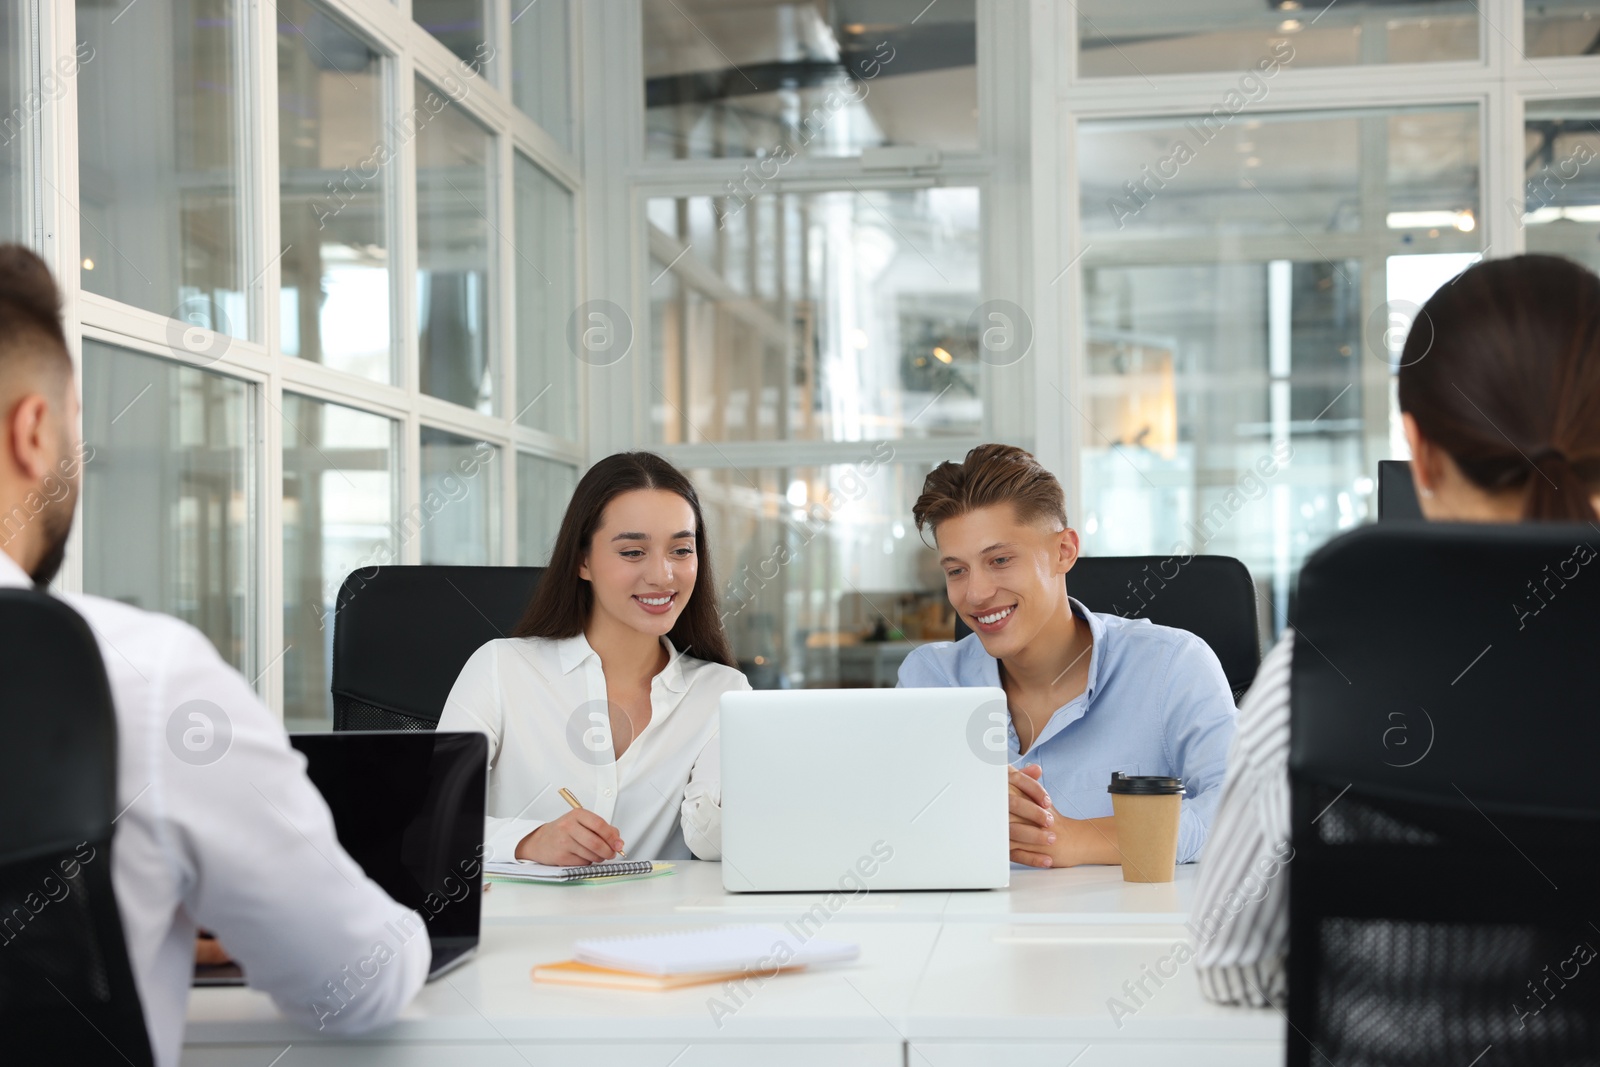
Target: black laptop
<point>408,807</point>
<point>1397,496</point>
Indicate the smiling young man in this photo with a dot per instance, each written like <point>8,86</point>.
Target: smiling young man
<point>1087,693</point>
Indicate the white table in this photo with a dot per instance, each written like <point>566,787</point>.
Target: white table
<point>693,894</point>
<point>1021,976</point>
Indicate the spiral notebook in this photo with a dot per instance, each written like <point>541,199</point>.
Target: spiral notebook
<point>525,871</point>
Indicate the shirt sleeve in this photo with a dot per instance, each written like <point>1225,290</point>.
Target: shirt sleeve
<point>1241,916</point>
<point>1200,718</point>
<point>701,812</point>
<point>259,861</point>
<point>474,704</point>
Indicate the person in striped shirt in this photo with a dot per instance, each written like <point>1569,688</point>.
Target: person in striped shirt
<point>1500,399</point>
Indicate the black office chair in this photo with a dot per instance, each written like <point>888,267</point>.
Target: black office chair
<point>1445,816</point>
<point>1213,597</point>
<point>66,988</point>
<point>402,634</point>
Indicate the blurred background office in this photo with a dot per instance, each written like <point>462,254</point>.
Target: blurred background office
<point>368,281</point>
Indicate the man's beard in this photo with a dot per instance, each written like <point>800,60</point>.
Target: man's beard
<point>56,523</point>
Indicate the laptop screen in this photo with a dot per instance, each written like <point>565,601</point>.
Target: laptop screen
<point>1397,497</point>
<point>409,807</point>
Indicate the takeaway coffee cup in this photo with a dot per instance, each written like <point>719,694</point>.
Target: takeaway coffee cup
<point>1147,809</point>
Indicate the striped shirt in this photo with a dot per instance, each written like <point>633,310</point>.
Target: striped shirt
<point>1241,919</point>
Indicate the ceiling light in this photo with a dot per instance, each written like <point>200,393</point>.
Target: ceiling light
<point>1289,26</point>
<point>942,356</point>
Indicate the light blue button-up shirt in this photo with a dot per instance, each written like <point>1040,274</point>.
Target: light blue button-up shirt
<point>1157,702</point>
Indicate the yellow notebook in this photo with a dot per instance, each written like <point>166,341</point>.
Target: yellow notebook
<point>571,972</point>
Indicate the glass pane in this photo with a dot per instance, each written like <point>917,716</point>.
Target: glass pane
<point>459,25</point>
<point>1134,40</point>
<point>168,493</point>
<point>821,580</point>
<point>543,489</point>
<point>816,317</point>
<point>18,118</point>
<point>340,503</point>
<point>455,158</point>
<point>1238,301</point>
<point>159,162</point>
<point>546,271</point>
<point>335,174</point>
<point>778,78</point>
<point>1560,27</point>
<point>1561,199</point>
<point>458,513</point>
<point>540,72</point>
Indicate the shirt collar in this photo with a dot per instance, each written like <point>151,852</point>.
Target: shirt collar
<point>572,651</point>
<point>987,671</point>
<point>12,575</point>
<point>1097,632</point>
<point>672,674</point>
<point>988,668</point>
<point>1078,706</point>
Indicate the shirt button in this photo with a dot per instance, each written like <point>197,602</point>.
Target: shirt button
<point>608,792</point>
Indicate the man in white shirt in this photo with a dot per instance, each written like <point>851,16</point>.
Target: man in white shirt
<point>219,824</point>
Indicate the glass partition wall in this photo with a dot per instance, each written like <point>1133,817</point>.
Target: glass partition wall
<point>1260,201</point>
<point>1235,376</point>
<point>814,331</point>
<point>322,255</point>
<point>330,272</point>
<point>1228,219</point>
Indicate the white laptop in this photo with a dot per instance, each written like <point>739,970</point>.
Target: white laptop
<point>827,789</point>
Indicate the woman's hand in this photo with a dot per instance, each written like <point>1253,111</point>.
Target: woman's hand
<point>1033,819</point>
<point>577,838</point>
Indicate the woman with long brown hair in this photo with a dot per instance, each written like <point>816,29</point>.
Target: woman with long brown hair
<point>609,686</point>
<point>1500,397</point>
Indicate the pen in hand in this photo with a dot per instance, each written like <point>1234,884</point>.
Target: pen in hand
<point>566,794</point>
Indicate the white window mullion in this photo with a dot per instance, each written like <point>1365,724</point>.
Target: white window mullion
<point>1006,239</point>
<point>1502,232</point>
<point>259,75</point>
<point>1057,275</point>
<point>403,239</point>
<point>1503,150</point>
<point>504,269</point>
<point>497,26</point>
<point>612,226</point>
<point>56,195</point>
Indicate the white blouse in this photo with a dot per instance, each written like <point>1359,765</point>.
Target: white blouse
<point>542,704</point>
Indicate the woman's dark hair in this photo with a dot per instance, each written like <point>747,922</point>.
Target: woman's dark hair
<point>561,604</point>
<point>1501,369</point>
